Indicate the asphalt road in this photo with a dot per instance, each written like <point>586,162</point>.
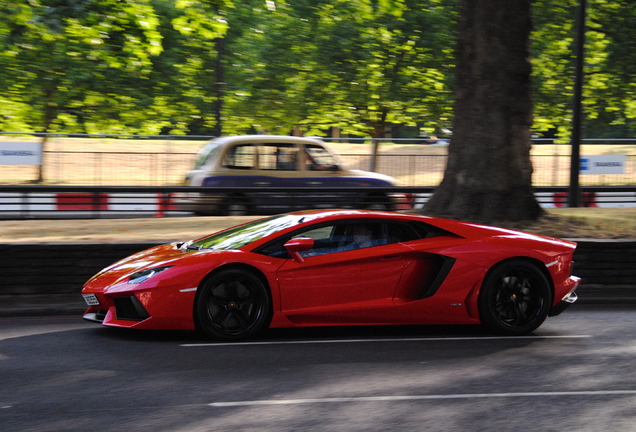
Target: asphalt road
<point>576,373</point>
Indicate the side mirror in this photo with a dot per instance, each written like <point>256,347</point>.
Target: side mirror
<point>297,245</point>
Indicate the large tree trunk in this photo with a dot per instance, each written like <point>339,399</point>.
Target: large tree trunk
<point>378,129</point>
<point>489,174</point>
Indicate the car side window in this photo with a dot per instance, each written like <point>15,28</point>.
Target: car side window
<point>242,156</point>
<point>319,159</point>
<point>322,235</point>
<point>401,232</point>
<point>334,238</point>
<point>280,157</point>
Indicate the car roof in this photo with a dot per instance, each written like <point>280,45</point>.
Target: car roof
<point>267,138</point>
<point>460,228</point>
<point>330,215</point>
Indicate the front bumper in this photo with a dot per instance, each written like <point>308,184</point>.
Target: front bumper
<point>126,308</point>
<point>154,309</point>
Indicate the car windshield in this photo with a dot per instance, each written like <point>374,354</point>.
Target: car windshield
<point>320,155</point>
<point>237,237</point>
<point>205,154</point>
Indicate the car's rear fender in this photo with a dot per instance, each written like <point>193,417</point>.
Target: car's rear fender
<point>535,262</point>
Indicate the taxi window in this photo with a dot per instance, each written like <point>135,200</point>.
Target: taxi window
<point>319,159</point>
<point>242,156</point>
<point>280,157</point>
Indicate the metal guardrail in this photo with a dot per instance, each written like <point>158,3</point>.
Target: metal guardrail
<point>94,202</point>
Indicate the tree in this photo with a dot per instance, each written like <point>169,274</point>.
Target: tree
<point>360,65</point>
<point>610,67</point>
<point>385,62</point>
<point>489,174</point>
<point>187,75</point>
<point>76,66</point>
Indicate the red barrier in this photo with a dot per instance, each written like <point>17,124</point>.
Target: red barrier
<point>86,202</point>
<point>561,199</point>
<point>165,204</point>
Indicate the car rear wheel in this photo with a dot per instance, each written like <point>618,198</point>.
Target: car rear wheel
<point>236,205</point>
<point>233,304</point>
<point>515,298</point>
<point>377,202</point>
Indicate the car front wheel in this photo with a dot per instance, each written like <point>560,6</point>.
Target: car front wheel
<point>233,304</point>
<point>515,298</point>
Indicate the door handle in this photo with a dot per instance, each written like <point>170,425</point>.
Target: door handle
<point>261,184</point>
<point>313,183</point>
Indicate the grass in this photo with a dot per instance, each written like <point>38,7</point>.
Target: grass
<point>579,223</point>
<point>589,223</point>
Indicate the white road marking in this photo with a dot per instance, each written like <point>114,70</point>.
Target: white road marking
<point>38,330</point>
<point>329,341</point>
<point>422,397</point>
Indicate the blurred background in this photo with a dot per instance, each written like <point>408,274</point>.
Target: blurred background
<point>126,93</point>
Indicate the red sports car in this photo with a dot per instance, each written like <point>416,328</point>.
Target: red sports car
<point>339,267</point>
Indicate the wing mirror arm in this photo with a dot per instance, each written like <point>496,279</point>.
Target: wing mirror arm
<point>297,245</point>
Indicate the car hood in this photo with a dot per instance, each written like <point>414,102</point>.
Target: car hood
<point>154,257</point>
<point>369,174</point>
<point>160,256</point>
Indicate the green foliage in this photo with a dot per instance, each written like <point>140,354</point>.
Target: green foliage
<point>160,66</point>
<point>355,64</point>
<point>75,65</point>
<point>610,67</point>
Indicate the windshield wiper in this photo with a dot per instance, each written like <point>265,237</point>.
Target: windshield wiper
<point>188,246</point>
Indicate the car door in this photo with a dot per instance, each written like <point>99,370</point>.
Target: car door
<point>339,283</point>
<point>322,170</point>
<point>278,168</point>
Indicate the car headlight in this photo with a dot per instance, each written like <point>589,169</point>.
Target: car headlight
<point>144,275</point>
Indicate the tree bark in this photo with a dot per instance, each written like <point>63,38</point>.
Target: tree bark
<point>488,177</point>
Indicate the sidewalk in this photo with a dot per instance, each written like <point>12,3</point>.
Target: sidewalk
<point>41,305</point>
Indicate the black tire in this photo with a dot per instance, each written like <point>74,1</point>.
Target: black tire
<point>233,304</point>
<point>515,298</point>
<point>378,203</point>
<point>236,205</point>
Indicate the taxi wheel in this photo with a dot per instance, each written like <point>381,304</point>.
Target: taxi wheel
<point>377,202</point>
<point>236,205</point>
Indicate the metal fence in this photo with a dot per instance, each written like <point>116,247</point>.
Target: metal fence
<point>95,202</point>
<point>133,160</point>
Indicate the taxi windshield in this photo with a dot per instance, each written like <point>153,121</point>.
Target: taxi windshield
<point>237,237</point>
<point>206,153</point>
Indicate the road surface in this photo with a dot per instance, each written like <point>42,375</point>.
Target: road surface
<point>576,373</point>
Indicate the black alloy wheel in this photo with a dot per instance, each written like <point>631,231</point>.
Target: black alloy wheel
<point>233,304</point>
<point>515,298</point>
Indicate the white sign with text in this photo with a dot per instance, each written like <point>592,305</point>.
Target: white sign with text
<point>20,153</point>
<point>603,164</point>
